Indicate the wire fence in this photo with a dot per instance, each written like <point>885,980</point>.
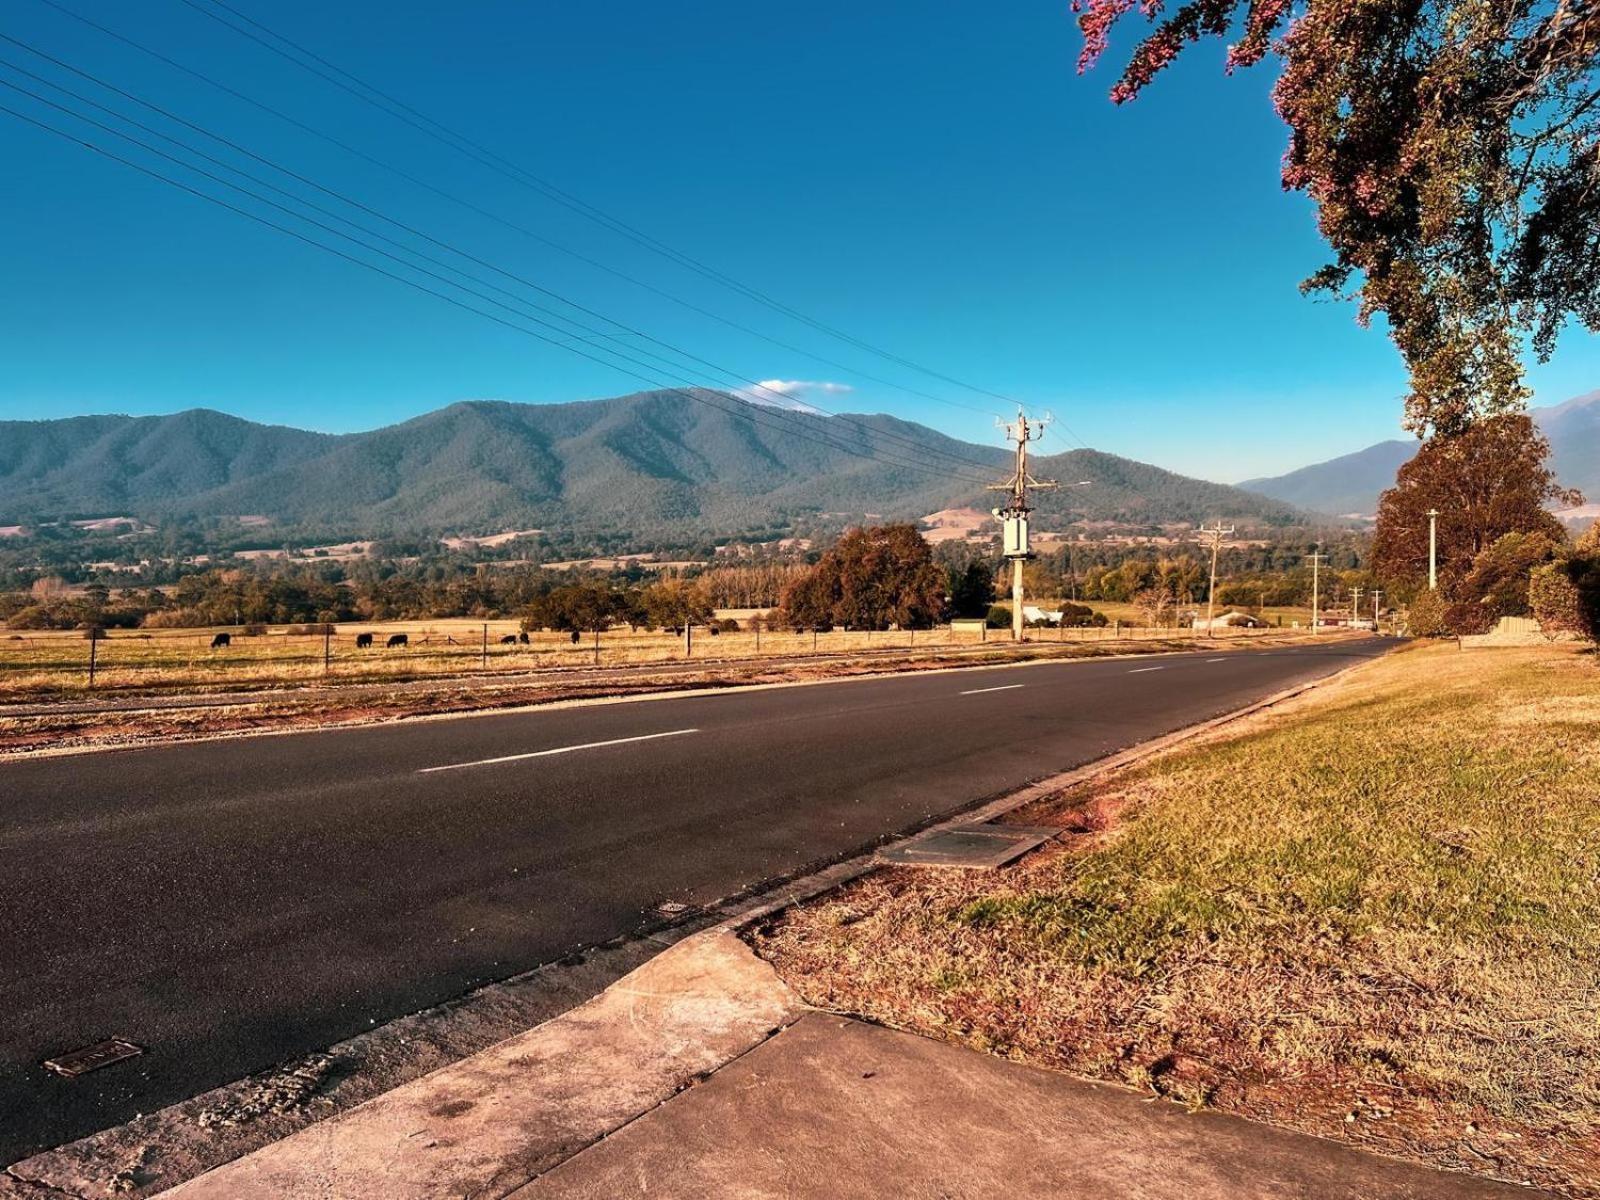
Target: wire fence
<point>53,662</point>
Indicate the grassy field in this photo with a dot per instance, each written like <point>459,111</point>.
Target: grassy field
<point>38,664</point>
<point>1129,614</point>
<point>1373,915</point>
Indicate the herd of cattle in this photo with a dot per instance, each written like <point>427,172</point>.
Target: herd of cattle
<point>364,640</point>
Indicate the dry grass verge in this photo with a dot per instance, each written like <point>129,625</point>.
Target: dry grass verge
<point>1373,916</point>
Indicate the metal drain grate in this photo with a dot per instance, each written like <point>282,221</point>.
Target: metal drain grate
<point>92,1058</point>
<point>976,847</point>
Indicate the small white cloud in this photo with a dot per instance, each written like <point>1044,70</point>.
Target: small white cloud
<point>791,393</point>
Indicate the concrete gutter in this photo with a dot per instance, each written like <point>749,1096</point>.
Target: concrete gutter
<point>491,1123</point>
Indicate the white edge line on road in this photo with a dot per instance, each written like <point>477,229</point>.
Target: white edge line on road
<point>484,762</point>
<point>1142,670</point>
<point>1003,688</point>
<point>1216,660</point>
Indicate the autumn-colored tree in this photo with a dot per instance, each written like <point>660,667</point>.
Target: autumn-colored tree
<point>870,579</point>
<point>1451,147</point>
<point>674,603</point>
<point>1486,482</point>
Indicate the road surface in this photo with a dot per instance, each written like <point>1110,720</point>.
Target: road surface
<point>230,905</point>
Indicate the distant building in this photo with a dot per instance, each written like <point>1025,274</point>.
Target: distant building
<point>1032,613</point>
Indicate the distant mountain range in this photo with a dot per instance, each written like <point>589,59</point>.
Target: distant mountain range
<point>651,465</point>
<point>1352,483</point>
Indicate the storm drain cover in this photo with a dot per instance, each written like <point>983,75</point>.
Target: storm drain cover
<point>980,847</point>
<point>92,1058</point>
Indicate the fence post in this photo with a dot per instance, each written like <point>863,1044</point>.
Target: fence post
<point>486,645</point>
<point>327,647</point>
<point>597,645</point>
<point>94,641</point>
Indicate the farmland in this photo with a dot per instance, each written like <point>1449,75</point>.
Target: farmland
<point>56,663</point>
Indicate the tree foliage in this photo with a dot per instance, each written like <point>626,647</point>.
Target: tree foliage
<point>1452,150</point>
<point>1487,482</point>
<point>1565,594</point>
<point>870,579</point>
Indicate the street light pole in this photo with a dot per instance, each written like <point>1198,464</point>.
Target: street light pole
<point>1316,595</point>
<point>1433,549</point>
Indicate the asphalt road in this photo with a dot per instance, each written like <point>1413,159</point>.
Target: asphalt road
<point>230,905</point>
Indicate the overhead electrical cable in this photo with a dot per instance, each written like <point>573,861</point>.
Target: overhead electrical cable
<point>745,410</point>
<point>522,230</point>
<point>742,384</point>
<point>462,144</point>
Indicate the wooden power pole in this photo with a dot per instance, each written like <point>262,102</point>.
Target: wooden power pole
<point>1013,516</point>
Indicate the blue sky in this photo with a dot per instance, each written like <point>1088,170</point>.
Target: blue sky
<point>930,177</point>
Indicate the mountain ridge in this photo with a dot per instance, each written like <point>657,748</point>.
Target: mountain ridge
<point>1352,483</point>
<point>651,464</point>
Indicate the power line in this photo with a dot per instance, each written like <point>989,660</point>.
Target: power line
<point>742,385</point>
<point>746,410</point>
<point>522,230</point>
<point>462,144</point>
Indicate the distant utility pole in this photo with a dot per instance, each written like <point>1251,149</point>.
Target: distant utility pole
<point>1316,596</point>
<point>1433,549</point>
<point>1013,516</point>
<point>1216,535</point>
<point>1355,604</point>
<point>1375,594</point>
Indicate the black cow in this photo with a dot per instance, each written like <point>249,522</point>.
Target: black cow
<point>510,639</point>
<point>523,638</point>
<point>576,637</point>
<point>363,640</point>
<point>221,640</point>
<point>397,639</point>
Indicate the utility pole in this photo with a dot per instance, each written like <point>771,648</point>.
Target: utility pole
<point>1316,562</point>
<point>1375,594</point>
<point>1355,604</point>
<point>1433,549</point>
<point>1013,516</point>
<point>1216,535</point>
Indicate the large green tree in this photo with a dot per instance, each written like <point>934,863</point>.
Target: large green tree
<point>1485,483</point>
<point>870,579</point>
<point>1452,148</point>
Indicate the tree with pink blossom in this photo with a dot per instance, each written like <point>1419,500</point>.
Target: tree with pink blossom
<point>1452,148</point>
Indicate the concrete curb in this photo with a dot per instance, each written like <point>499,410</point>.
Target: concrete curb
<point>493,1122</point>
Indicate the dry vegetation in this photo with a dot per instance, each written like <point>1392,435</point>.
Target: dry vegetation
<point>140,662</point>
<point>66,719</point>
<point>1373,916</point>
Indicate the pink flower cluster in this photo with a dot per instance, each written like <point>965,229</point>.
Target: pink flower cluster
<point>1095,19</point>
